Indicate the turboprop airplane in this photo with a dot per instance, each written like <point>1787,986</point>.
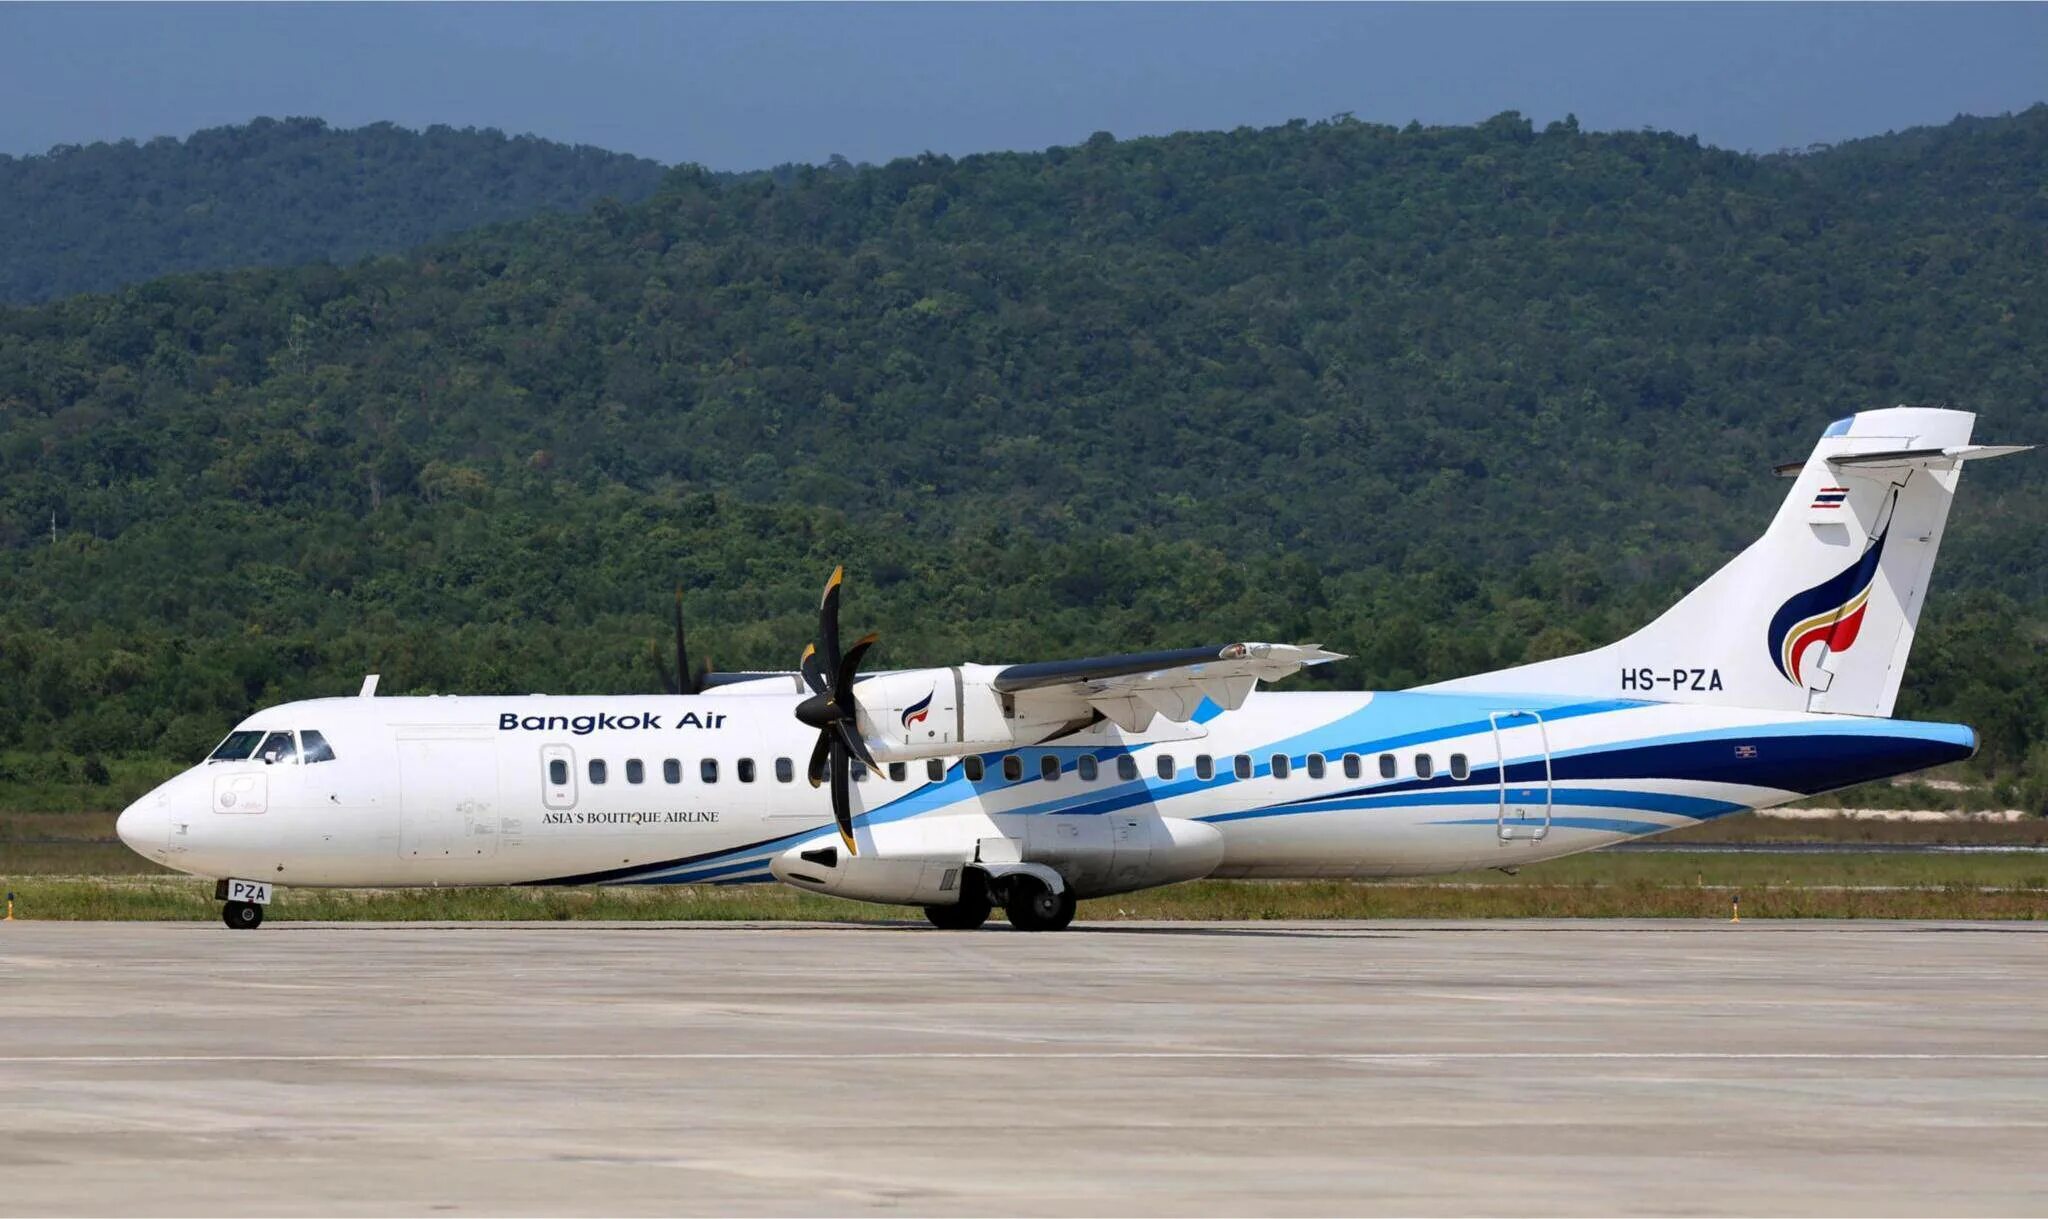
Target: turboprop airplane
<point>1029,786</point>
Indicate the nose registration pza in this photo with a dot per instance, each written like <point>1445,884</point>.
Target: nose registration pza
<point>255,892</point>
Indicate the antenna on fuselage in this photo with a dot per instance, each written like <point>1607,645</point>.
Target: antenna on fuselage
<point>369,689</point>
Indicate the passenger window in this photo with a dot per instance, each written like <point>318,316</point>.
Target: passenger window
<point>785,770</point>
<point>746,770</point>
<point>1085,768</point>
<point>278,747</point>
<point>1013,768</point>
<point>707,770</point>
<point>1281,766</point>
<point>1205,766</point>
<point>935,770</point>
<point>1165,766</point>
<point>558,773</point>
<point>1048,767</point>
<point>1388,768</point>
<point>671,771</point>
<point>897,772</point>
<point>1460,769</point>
<point>597,770</point>
<point>972,768</point>
<point>314,748</point>
<point>1126,766</point>
<point>1315,766</point>
<point>635,773</point>
<point>239,745</point>
<point>1353,766</point>
<point>1424,769</point>
<point>1241,766</point>
<point>859,771</point>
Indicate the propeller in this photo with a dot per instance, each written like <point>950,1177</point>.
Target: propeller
<point>831,709</point>
<point>683,679</point>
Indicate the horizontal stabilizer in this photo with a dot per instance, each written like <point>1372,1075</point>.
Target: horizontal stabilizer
<point>1907,459</point>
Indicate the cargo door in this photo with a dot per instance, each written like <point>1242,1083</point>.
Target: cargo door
<point>449,798</point>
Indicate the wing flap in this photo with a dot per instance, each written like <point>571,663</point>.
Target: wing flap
<point>1130,689</point>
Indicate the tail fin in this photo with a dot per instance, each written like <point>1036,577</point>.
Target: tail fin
<point>1818,614</point>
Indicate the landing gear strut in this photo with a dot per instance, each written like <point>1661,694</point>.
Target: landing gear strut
<point>242,916</point>
<point>1033,906</point>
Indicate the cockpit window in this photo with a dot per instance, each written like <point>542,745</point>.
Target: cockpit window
<point>278,747</point>
<point>239,745</point>
<point>314,748</point>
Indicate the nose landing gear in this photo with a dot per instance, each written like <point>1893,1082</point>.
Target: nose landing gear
<point>242,916</point>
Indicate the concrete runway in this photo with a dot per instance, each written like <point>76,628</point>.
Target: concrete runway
<point>1501,1068</point>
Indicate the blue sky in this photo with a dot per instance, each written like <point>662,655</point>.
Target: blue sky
<point>737,87</point>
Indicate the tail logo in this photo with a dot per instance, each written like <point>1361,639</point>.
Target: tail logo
<point>1830,612</point>
<point>916,712</point>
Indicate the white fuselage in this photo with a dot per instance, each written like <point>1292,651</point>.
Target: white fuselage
<point>535,790</point>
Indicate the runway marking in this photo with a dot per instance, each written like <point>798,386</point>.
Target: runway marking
<point>1058,1055</point>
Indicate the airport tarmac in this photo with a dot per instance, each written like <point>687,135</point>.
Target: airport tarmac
<point>1498,1068</point>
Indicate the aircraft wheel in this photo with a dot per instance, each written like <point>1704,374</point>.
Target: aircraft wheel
<point>964,915</point>
<point>1033,907</point>
<point>242,916</point>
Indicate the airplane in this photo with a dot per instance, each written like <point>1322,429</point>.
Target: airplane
<point>1030,786</point>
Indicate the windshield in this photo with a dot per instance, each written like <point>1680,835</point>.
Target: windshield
<point>278,747</point>
<point>316,747</point>
<point>239,745</point>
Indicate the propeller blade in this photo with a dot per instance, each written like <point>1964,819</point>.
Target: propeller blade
<point>849,735</point>
<point>812,669</point>
<point>688,682</point>
<point>842,795</point>
<point>668,681</point>
<point>819,757</point>
<point>828,621</point>
<point>843,685</point>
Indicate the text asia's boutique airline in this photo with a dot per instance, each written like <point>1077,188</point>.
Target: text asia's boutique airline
<point>1031,785</point>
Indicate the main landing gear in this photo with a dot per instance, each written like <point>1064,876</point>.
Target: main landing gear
<point>1028,901</point>
<point>971,911</point>
<point>242,916</point>
<point>1032,906</point>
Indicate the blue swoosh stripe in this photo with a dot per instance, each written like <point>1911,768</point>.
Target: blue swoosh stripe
<point>1695,807</point>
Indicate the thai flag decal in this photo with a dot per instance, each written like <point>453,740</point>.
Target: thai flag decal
<point>915,712</point>
<point>1830,612</point>
<point>1830,497</point>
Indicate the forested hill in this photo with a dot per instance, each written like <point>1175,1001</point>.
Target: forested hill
<point>1444,398</point>
<point>90,218</point>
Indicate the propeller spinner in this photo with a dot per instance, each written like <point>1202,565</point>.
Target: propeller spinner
<point>831,709</point>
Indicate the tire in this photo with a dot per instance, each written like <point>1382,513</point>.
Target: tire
<point>963,915</point>
<point>242,916</point>
<point>1033,907</point>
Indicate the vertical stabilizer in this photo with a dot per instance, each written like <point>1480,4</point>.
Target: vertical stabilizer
<point>1819,613</point>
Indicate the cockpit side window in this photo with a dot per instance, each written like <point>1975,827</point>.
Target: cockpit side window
<point>239,745</point>
<point>278,747</point>
<point>314,748</point>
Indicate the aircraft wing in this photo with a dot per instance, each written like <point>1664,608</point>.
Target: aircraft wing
<point>1131,688</point>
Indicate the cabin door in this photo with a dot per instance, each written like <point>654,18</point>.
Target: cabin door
<point>1521,743</point>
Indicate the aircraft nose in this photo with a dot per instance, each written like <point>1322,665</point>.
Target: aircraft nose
<point>145,826</point>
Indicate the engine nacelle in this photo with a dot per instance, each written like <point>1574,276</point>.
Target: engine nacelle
<point>931,713</point>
